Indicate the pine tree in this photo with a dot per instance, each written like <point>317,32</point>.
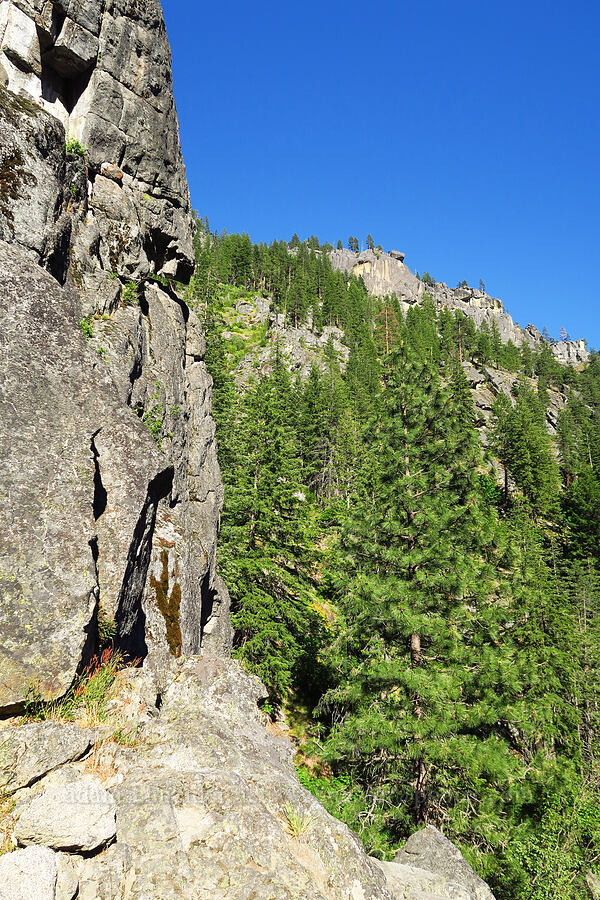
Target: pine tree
<point>419,663</point>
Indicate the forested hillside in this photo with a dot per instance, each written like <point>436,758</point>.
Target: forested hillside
<point>417,585</point>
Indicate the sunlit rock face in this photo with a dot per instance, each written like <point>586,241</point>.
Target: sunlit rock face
<point>102,526</point>
<point>103,69</point>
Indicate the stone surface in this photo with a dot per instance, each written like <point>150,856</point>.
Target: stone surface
<point>593,883</point>
<point>201,806</point>
<point>76,817</point>
<point>103,70</point>
<point>58,404</point>
<point>29,752</point>
<point>104,520</point>
<point>429,849</point>
<point>202,799</point>
<point>28,874</point>
<point>67,883</point>
<point>414,883</point>
<point>32,171</point>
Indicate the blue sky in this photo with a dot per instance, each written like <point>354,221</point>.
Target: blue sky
<point>464,132</point>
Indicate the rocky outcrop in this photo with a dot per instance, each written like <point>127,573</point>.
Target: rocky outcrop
<point>487,383</point>
<point>59,405</point>
<point>102,69</point>
<point>259,329</point>
<point>207,805</point>
<point>385,274</point>
<point>102,526</point>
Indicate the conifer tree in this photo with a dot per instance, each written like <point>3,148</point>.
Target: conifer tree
<point>525,448</point>
<point>264,555</point>
<point>419,663</point>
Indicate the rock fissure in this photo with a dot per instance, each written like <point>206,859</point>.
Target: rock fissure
<point>100,494</point>
<point>130,616</point>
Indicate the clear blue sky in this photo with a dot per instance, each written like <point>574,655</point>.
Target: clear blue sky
<point>464,132</point>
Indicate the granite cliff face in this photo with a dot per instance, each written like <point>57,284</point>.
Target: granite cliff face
<point>99,522</point>
<point>102,70</point>
<point>386,274</point>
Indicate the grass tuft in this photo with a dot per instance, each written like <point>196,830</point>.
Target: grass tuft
<point>86,700</point>
<point>7,821</point>
<point>298,822</point>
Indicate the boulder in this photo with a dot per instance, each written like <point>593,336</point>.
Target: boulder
<point>414,883</point>
<point>76,817</point>
<point>29,752</point>
<point>74,51</point>
<point>428,849</point>
<point>28,874</point>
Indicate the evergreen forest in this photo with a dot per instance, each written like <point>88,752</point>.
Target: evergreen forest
<point>418,589</point>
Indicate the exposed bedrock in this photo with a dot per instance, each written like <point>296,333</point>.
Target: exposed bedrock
<point>110,488</point>
<point>207,805</point>
<point>103,70</point>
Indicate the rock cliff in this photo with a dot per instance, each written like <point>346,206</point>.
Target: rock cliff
<point>197,800</point>
<point>102,527</point>
<point>386,274</point>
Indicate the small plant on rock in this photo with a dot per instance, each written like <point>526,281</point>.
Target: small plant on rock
<point>153,416</point>
<point>107,628</point>
<point>75,147</point>
<point>86,698</point>
<point>7,821</point>
<point>130,294</point>
<point>298,822</point>
<point>86,327</point>
<point>126,737</point>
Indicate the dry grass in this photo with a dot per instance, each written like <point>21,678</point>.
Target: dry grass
<point>126,736</point>
<point>7,822</point>
<point>99,767</point>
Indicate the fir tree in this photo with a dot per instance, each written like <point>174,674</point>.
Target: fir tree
<point>264,555</point>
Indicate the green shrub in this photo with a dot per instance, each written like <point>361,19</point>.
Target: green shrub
<point>126,737</point>
<point>75,147</point>
<point>346,802</point>
<point>86,327</point>
<point>153,416</point>
<point>130,294</point>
